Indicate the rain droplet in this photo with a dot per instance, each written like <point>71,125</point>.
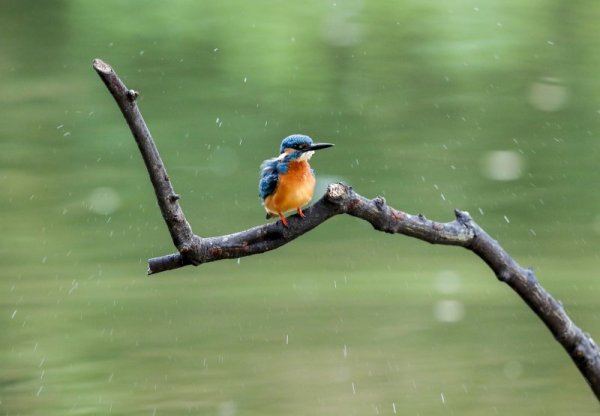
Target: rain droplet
<point>512,370</point>
<point>449,311</point>
<point>447,282</point>
<point>104,201</point>
<point>548,94</point>
<point>503,165</point>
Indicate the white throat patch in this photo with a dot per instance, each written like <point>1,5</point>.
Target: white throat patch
<point>306,155</point>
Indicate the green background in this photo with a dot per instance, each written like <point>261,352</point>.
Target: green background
<point>491,107</point>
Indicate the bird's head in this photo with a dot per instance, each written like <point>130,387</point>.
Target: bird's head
<point>301,146</point>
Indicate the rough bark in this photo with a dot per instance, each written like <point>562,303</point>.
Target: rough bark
<point>341,199</point>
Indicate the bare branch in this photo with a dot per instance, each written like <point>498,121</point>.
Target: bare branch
<point>341,199</point>
<point>180,229</point>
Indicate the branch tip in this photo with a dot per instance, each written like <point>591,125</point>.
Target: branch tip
<point>463,217</point>
<point>101,66</point>
<point>337,190</point>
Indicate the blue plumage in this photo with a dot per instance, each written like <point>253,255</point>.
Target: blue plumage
<point>295,141</point>
<point>268,178</point>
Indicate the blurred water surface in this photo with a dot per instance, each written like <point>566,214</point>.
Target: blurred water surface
<point>491,107</point>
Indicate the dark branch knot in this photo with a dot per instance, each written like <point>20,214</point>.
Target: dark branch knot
<point>132,94</point>
<point>174,197</point>
<point>504,275</point>
<point>379,203</point>
<point>531,276</point>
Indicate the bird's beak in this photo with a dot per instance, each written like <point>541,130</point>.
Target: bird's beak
<point>317,146</point>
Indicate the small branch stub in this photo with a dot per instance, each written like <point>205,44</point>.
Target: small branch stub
<point>463,217</point>
<point>336,191</point>
<point>133,94</point>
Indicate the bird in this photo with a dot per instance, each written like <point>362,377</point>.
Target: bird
<point>287,181</point>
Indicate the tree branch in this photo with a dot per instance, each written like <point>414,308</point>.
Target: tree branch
<point>180,229</point>
<point>341,199</point>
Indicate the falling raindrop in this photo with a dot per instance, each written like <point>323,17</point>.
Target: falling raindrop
<point>503,165</point>
<point>447,282</point>
<point>548,94</point>
<point>449,311</point>
<point>104,201</point>
<point>512,370</point>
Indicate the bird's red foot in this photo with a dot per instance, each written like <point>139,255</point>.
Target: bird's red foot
<point>299,210</point>
<point>283,219</point>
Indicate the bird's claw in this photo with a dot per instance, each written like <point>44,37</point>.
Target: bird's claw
<point>283,220</point>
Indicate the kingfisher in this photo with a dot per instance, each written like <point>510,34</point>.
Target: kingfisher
<point>287,182</point>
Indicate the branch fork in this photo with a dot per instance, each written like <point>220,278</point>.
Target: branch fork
<point>341,199</point>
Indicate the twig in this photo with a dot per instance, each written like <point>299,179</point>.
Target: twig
<point>180,229</point>
<point>341,199</point>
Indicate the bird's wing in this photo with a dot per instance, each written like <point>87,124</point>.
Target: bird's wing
<point>269,174</point>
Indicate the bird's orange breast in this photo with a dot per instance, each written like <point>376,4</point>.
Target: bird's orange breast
<point>294,189</point>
